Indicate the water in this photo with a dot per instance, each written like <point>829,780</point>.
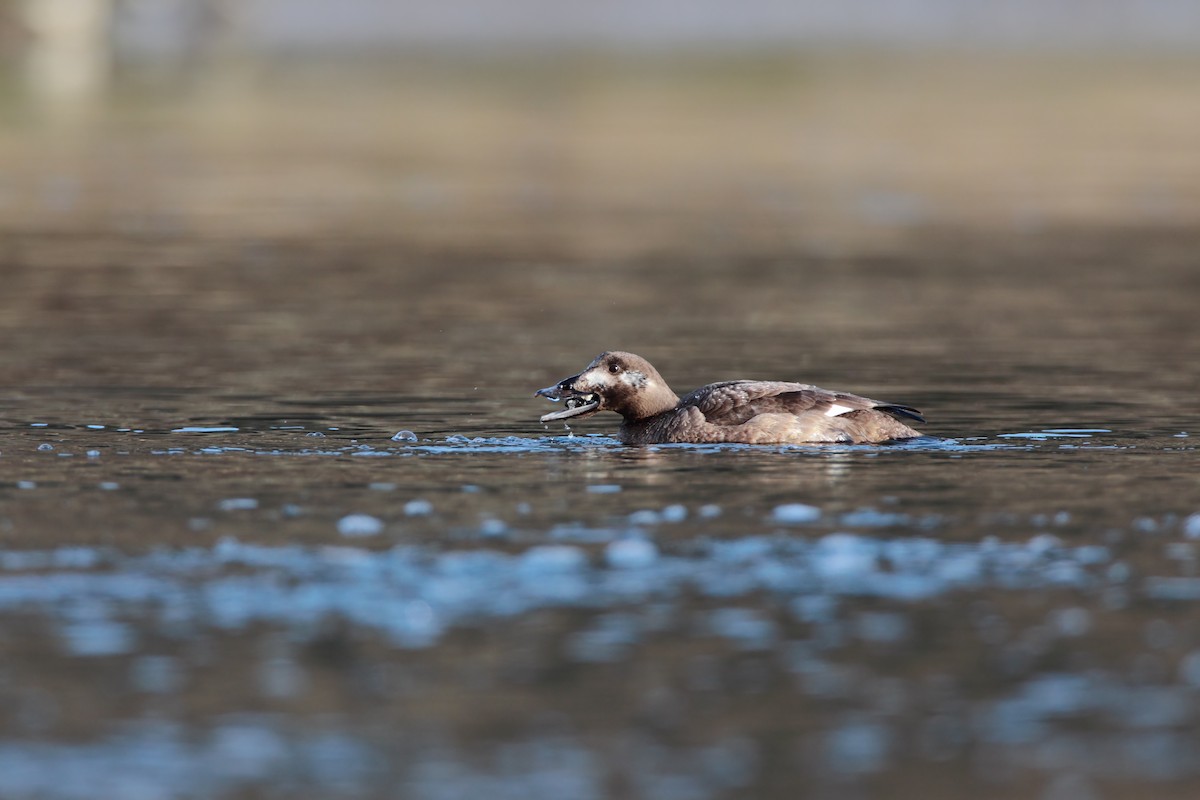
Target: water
<point>480,605</point>
<point>277,516</point>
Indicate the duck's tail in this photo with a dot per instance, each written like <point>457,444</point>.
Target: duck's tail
<point>906,412</point>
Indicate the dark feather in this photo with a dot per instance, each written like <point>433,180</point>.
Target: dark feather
<point>901,411</point>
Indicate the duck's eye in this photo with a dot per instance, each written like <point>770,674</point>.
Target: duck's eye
<point>614,368</point>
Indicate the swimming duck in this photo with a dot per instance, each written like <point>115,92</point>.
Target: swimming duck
<point>747,412</point>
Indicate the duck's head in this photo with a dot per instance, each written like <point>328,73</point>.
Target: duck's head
<point>614,381</point>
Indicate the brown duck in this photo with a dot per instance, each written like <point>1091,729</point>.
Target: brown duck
<point>747,412</point>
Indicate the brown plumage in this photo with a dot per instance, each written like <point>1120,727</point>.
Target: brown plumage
<point>748,412</point>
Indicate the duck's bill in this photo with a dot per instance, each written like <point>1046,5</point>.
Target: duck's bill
<point>576,407</point>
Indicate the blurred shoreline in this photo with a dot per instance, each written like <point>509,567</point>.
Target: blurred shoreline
<point>598,154</point>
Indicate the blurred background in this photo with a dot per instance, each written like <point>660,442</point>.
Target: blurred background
<point>278,279</point>
<point>623,127</point>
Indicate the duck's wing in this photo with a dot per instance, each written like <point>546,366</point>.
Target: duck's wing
<point>735,402</point>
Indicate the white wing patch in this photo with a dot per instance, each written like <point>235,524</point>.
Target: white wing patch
<point>836,410</point>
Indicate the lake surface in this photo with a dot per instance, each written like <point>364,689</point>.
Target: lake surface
<point>239,581</point>
<point>277,517</point>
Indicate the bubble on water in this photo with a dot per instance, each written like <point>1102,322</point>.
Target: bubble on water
<point>607,639</point>
<point>238,504</point>
<point>359,525</point>
<point>882,627</point>
<point>737,551</point>
<point>795,514</point>
<point>280,677</point>
<point>316,434</point>
<point>858,747</point>
<point>1167,588</point>
<point>630,554</point>
<point>155,674</point>
<point>732,763</point>
<point>603,488</point>
<point>575,532</point>
<point>1191,526</point>
<point>745,626</point>
<point>1189,669</point>
<point>674,513</point>
<point>404,436</point>
<point>457,438</point>
<point>415,625</point>
<point>814,608</point>
<point>1118,572</point>
<point>1092,554</point>
<point>1073,622</point>
<point>1160,634</point>
<point>246,752</point>
<point>418,508</point>
<point>645,517</point>
<point>1044,543</point>
<point>843,556</point>
<point>1180,551</point>
<point>492,527</point>
<point>871,518</point>
<point>45,447</point>
<point>205,429</point>
<point>93,453</point>
<point>97,637</point>
<point>553,558</point>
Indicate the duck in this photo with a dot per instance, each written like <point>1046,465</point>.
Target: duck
<point>740,411</point>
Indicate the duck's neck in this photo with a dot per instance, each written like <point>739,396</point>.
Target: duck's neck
<point>650,402</point>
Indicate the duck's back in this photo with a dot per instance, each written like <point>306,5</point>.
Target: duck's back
<point>775,412</point>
